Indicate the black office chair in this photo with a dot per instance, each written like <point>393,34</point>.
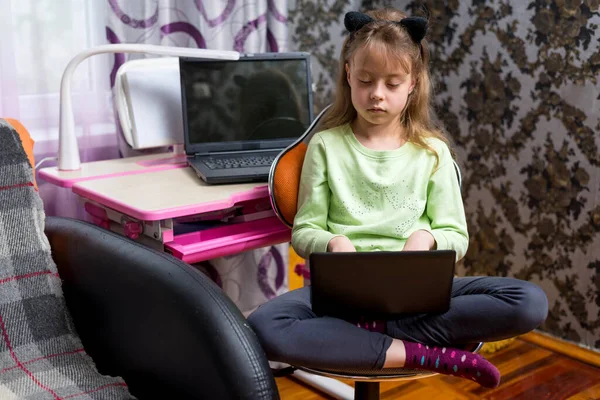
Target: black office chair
<point>159,323</point>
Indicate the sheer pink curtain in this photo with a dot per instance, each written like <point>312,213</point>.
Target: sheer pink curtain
<point>38,38</point>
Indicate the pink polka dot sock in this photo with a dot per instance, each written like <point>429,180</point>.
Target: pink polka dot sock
<point>373,325</point>
<point>449,361</point>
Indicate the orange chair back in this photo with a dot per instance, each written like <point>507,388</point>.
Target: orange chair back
<point>284,177</point>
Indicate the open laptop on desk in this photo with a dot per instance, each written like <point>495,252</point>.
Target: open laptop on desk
<point>239,115</point>
<point>381,285</point>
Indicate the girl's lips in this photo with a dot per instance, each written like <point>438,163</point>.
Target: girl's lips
<point>376,110</point>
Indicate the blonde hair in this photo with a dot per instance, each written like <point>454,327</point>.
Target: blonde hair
<point>398,46</point>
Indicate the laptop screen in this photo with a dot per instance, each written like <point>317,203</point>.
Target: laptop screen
<point>258,102</point>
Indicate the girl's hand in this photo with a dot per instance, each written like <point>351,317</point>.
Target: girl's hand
<point>420,240</point>
<point>340,244</point>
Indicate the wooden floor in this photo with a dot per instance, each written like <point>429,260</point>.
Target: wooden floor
<point>528,372</point>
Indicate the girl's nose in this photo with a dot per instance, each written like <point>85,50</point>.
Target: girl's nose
<point>377,92</point>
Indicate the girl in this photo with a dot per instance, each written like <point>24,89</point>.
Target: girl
<point>381,177</point>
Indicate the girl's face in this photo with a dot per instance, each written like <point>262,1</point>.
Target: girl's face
<point>379,87</point>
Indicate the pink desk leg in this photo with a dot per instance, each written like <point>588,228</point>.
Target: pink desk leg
<point>98,214</point>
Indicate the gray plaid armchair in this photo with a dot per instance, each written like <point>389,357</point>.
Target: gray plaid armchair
<point>88,314</point>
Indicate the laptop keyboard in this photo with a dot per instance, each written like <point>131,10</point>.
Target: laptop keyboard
<point>239,162</point>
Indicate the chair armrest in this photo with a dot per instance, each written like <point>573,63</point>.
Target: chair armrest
<point>159,323</point>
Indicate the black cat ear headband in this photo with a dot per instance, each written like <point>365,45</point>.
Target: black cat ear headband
<point>415,26</point>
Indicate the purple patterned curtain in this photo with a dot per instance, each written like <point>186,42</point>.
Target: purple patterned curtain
<point>253,277</point>
<point>241,25</point>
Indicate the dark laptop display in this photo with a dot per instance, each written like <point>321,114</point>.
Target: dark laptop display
<point>381,285</point>
<point>238,115</point>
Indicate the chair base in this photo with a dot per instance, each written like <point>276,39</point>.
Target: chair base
<point>366,391</point>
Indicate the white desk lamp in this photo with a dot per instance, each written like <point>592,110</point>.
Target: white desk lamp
<point>68,150</point>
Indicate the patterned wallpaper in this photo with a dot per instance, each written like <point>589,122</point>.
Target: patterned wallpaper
<point>516,87</point>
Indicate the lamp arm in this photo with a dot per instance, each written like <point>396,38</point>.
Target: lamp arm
<point>68,150</point>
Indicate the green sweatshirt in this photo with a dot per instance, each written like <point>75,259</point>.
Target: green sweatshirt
<point>376,198</point>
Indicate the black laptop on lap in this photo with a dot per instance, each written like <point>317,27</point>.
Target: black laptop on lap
<point>239,115</point>
<point>381,285</point>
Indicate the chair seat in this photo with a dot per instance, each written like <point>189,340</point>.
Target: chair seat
<point>387,374</point>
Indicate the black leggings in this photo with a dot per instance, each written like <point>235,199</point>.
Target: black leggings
<point>481,309</point>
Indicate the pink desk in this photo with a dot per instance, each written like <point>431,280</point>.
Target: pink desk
<point>146,198</point>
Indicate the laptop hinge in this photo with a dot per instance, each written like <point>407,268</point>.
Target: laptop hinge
<point>234,152</point>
